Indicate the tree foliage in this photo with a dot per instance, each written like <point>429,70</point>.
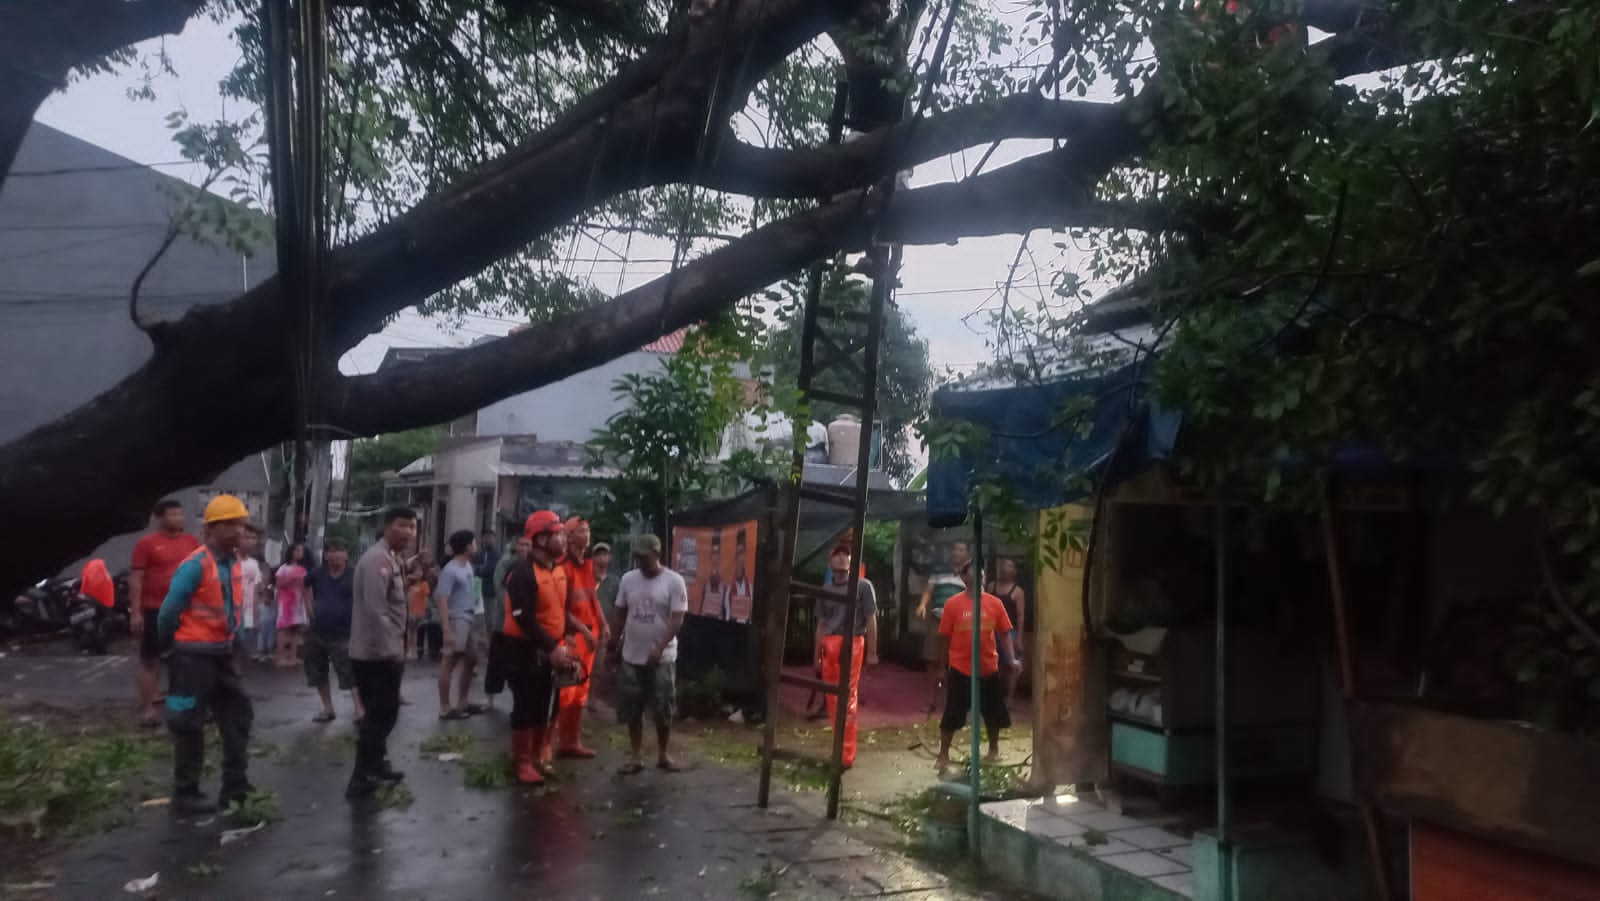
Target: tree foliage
<point>665,441</point>
<point>904,374</point>
<point>469,141</point>
<point>1404,261</point>
<point>372,458</point>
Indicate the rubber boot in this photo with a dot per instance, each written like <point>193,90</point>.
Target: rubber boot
<point>570,725</point>
<point>524,749</point>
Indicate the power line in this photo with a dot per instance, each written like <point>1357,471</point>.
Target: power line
<point>114,167</point>
<point>128,226</point>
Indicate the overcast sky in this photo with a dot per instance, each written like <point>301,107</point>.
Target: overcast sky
<point>946,289</point>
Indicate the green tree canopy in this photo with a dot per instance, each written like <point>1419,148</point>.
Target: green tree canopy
<point>904,374</point>
<point>468,141</point>
<point>371,458</point>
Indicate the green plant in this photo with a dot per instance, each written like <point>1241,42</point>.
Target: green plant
<point>488,773</point>
<point>395,796</point>
<point>666,437</point>
<point>703,696</point>
<point>259,806</point>
<point>63,784</point>
<point>763,883</point>
<point>447,743</point>
<point>205,869</point>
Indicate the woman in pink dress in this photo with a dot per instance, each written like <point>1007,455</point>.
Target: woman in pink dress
<point>290,583</point>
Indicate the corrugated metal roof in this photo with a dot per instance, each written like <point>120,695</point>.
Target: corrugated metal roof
<point>553,471</point>
<point>666,344</point>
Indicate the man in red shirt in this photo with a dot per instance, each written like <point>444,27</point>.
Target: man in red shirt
<point>155,559</point>
<point>994,635</point>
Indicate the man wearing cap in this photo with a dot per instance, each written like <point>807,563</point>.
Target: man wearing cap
<point>651,603</point>
<point>197,622</point>
<point>535,626</point>
<point>584,617</point>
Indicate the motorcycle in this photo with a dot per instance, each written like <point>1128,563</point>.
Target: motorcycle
<point>92,624</point>
<point>41,609</point>
<point>56,605</point>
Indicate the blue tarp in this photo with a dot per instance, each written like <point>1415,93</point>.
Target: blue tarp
<point>1042,439</point>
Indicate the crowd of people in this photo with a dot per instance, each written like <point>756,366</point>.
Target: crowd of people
<point>537,621</point>
<point>533,619</point>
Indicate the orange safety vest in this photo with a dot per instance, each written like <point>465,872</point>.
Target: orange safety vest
<point>551,613</point>
<point>205,624</point>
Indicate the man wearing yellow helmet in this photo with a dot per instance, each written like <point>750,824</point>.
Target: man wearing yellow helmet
<point>197,622</point>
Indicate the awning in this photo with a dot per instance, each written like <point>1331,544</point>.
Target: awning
<point>1044,441</point>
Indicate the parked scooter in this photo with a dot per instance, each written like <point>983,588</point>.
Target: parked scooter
<point>59,605</point>
<point>41,609</point>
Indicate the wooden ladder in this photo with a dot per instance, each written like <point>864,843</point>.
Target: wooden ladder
<point>846,341</point>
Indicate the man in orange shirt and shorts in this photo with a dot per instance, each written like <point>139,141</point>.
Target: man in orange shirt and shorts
<point>994,636</point>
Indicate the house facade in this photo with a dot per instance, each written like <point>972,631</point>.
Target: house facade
<point>519,454</point>
<point>77,224</point>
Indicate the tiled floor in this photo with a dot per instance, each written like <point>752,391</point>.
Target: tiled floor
<point>1137,846</point>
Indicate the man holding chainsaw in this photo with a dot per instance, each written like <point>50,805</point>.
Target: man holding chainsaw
<point>535,629</point>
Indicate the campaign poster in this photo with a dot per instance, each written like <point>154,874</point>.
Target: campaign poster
<point>718,563</point>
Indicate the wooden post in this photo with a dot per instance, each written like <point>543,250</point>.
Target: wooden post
<point>1347,683</point>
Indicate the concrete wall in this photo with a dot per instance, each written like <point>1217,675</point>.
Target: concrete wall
<point>571,409</point>
<point>71,244</point>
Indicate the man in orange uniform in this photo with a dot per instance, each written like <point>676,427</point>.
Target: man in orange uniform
<point>994,637</point>
<point>197,621</point>
<point>584,615</point>
<point>535,624</point>
<point>834,628</point>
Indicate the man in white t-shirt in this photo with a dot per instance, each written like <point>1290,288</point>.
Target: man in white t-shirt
<point>249,584</point>
<point>651,603</point>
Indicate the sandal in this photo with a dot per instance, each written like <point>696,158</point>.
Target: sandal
<point>323,717</point>
<point>454,715</point>
<point>669,766</point>
<point>476,709</point>
<point>630,768</point>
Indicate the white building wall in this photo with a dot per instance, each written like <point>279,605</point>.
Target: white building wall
<point>464,471</point>
<point>571,409</point>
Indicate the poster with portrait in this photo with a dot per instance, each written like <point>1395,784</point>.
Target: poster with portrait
<point>718,563</point>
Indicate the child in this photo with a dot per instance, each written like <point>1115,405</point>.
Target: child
<point>290,583</point>
<point>417,593</point>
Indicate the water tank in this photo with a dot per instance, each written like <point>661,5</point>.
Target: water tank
<point>844,440</point>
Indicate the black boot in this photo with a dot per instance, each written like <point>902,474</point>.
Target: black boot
<point>386,771</point>
<point>363,785</point>
<point>234,794</point>
<point>192,805</point>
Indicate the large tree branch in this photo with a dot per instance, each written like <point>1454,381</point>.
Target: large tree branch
<point>52,36</point>
<point>43,41</point>
<point>650,136</point>
<point>1042,191</point>
<point>822,171</point>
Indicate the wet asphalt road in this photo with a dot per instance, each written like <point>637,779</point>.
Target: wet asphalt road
<point>597,835</point>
